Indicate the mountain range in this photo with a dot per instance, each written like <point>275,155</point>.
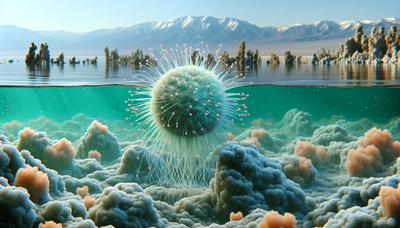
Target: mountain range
<point>193,31</point>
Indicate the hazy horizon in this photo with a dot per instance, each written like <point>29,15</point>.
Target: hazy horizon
<point>277,26</point>
<point>85,16</point>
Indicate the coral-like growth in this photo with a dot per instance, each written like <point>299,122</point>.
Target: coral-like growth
<point>363,161</point>
<point>10,161</point>
<point>298,123</point>
<point>375,149</point>
<point>16,208</point>
<point>125,205</point>
<point>82,191</point>
<point>50,224</point>
<point>325,135</point>
<point>11,129</point>
<point>59,154</point>
<point>258,137</point>
<point>89,201</point>
<point>3,182</point>
<point>57,211</point>
<point>94,154</point>
<point>34,142</point>
<point>139,161</point>
<point>389,199</point>
<point>299,170</point>
<point>273,219</point>
<point>100,139</point>
<point>383,141</point>
<point>35,181</point>
<point>235,216</point>
<point>246,180</point>
<point>101,128</point>
<point>57,185</point>
<point>316,154</point>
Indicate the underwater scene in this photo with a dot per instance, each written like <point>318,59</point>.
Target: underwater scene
<point>241,118</point>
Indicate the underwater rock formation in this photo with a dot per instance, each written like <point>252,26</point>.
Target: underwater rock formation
<point>16,208</point>
<point>100,139</point>
<point>138,160</point>
<point>325,135</point>
<point>339,206</point>
<point>10,162</point>
<point>11,129</point>
<point>56,211</point>
<point>251,178</point>
<point>381,211</point>
<point>298,123</point>
<point>317,154</point>
<point>35,182</point>
<point>246,180</point>
<point>34,142</point>
<point>125,205</point>
<point>94,154</point>
<point>258,137</point>
<point>299,169</point>
<point>57,186</point>
<point>60,154</point>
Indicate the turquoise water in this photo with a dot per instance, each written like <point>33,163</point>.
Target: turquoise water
<point>268,102</point>
<point>332,118</point>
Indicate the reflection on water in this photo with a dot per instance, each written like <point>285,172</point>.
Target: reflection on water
<point>368,72</point>
<point>41,72</point>
<point>301,74</point>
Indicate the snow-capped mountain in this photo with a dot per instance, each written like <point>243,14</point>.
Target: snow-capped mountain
<point>186,30</point>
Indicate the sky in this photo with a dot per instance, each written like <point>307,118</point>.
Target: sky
<point>89,15</point>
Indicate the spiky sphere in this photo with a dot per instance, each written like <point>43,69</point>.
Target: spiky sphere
<point>183,107</point>
<point>188,101</point>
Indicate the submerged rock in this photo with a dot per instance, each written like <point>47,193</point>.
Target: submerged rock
<point>125,205</point>
<point>246,180</point>
<point>16,208</point>
<point>100,139</point>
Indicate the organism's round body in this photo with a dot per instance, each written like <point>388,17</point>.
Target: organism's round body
<point>188,101</point>
<point>184,109</point>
